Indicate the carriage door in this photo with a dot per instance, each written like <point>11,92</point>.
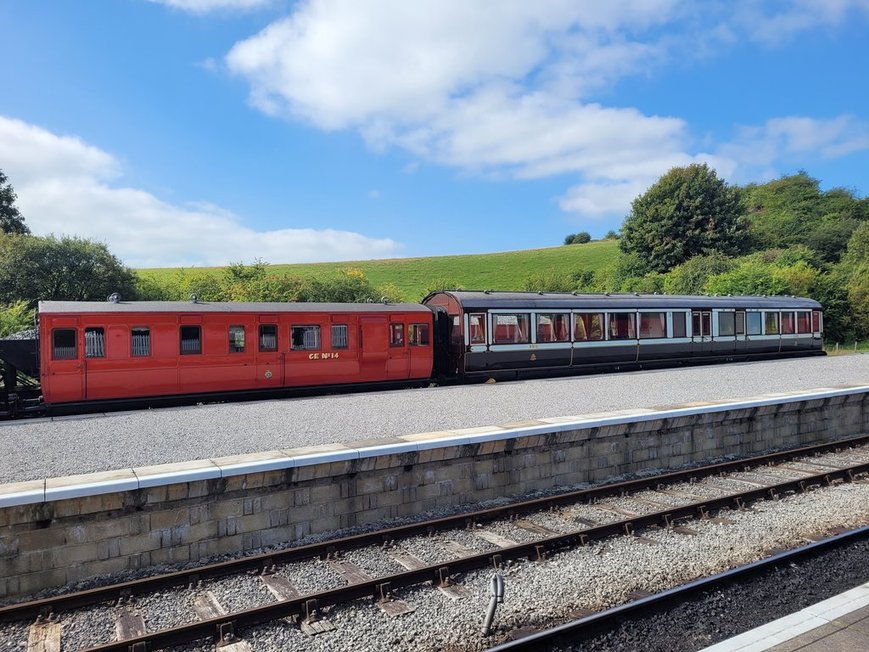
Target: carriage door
<point>741,339</point>
<point>398,356</point>
<point>373,348</point>
<point>701,333</point>
<point>269,358</point>
<point>65,377</point>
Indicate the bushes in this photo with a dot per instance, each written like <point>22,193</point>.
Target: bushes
<point>255,282</point>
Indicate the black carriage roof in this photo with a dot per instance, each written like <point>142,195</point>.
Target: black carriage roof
<point>187,307</point>
<point>490,300</point>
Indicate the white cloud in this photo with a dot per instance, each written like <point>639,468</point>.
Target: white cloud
<point>790,140</point>
<point>204,6</point>
<point>66,186</point>
<point>505,88</point>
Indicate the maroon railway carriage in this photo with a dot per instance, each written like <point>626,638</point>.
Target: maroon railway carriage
<point>94,351</point>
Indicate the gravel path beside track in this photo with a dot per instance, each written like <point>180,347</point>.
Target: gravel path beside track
<point>40,448</point>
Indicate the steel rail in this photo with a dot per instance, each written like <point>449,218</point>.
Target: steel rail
<point>263,561</point>
<point>307,605</point>
<point>568,632</point>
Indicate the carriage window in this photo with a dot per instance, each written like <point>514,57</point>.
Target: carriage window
<point>726,324</point>
<point>679,324</point>
<point>622,326</point>
<point>477,323</point>
<point>396,335</point>
<point>589,326</point>
<point>94,343</point>
<point>804,322</point>
<point>754,322</point>
<point>511,329</point>
<point>63,345</point>
<point>236,339</point>
<point>456,336</point>
<point>653,325</point>
<point>419,335</point>
<point>771,323</point>
<point>339,336</point>
<point>305,338</point>
<point>141,342</point>
<point>740,322</point>
<point>553,327</point>
<point>788,326</point>
<point>191,340</point>
<point>268,337</point>
<point>816,321</point>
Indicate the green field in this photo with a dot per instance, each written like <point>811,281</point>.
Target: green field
<point>415,276</point>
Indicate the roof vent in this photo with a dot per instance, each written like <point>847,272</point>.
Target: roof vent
<point>194,298</point>
<point>540,292</point>
<point>114,297</point>
<point>384,300</point>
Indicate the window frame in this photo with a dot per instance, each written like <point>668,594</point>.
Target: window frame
<point>589,326</point>
<point>396,335</point>
<point>679,315</point>
<point>335,342</point>
<point>305,328</point>
<point>749,331</point>
<point>632,326</point>
<point>727,316</point>
<point>554,318</point>
<point>133,352</point>
<point>99,344</point>
<point>481,326</point>
<point>181,338</point>
<point>649,313</point>
<point>413,332</point>
<point>776,317</point>
<point>519,317</point>
<point>232,344</point>
<point>54,347</point>
<point>259,338</point>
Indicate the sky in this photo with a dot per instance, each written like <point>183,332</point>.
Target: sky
<point>204,132</point>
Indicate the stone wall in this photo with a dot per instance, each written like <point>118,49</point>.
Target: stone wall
<point>63,530</point>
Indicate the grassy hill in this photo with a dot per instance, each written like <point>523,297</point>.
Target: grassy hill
<point>415,276</point>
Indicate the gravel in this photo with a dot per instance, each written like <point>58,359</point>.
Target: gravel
<point>722,613</point>
<point>39,448</point>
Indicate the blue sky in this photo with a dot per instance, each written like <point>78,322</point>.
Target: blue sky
<point>202,132</point>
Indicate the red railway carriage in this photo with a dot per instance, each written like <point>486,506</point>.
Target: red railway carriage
<point>94,351</point>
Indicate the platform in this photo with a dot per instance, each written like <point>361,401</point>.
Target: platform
<point>839,624</point>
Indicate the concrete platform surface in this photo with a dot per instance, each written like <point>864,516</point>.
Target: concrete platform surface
<point>840,624</point>
<point>33,449</point>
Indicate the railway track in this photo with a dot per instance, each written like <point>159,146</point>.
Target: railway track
<point>572,634</point>
<point>534,530</point>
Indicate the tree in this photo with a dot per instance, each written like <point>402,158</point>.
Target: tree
<point>577,238</point>
<point>688,212</point>
<point>36,268</point>
<point>690,277</point>
<point>11,220</point>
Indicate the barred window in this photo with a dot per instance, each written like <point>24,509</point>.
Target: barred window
<point>141,342</point>
<point>63,344</point>
<point>191,340</point>
<point>236,339</point>
<point>339,336</point>
<point>305,338</point>
<point>94,342</point>
<point>268,337</point>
